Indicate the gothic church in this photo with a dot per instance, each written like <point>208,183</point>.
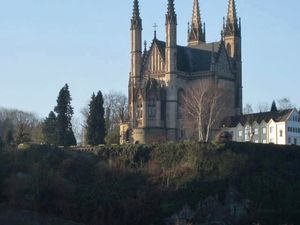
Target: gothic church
<point>159,74</point>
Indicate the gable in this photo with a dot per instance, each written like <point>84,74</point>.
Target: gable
<point>155,61</point>
<point>294,116</point>
<point>223,64</point>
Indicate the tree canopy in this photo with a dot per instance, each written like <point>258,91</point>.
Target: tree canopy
<point>95,122</point>
<point>49,129</point>
<point>64,112</point>
<point>274,107</point>
<point>21,136</point>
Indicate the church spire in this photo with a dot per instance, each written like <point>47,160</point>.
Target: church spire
<point>171,15</point>
<point>136,44</point>
<point>232,28</point>
<point>171,25</point>
<point>136,19</point>
<point>196,34</point>
<point>196,19</point>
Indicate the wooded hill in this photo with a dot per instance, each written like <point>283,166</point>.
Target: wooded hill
<point>160,183</point>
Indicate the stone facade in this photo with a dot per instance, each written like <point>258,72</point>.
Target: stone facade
<point>159,74</point>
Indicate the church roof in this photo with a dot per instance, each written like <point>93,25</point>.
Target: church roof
<point>192,59</point>
<point>279,116</point>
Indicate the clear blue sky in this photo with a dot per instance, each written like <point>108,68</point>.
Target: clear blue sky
<point>86,43</point>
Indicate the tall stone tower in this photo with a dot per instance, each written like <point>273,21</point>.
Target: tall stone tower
<point>171,70</point>
<point>233,45</point>
<point>196,34</point>
<point>136,44</point>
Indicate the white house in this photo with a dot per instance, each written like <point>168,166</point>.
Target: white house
<point>281,127</point>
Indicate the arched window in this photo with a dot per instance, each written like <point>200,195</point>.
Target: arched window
<point>229,50</point>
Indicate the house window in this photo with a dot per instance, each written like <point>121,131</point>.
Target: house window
<point>280,133</point>
<point>295,141</point>
<point>240,133</point>
<point>255,141</point>
<point>264,141</point>
<point>264,130</point>
<point>256,131</point>
<point>289,140</point>
<point>271,130</point>
<point>247,133</point>
<point>298,130</point>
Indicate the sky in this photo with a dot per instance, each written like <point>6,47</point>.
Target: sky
<point>86,43</point>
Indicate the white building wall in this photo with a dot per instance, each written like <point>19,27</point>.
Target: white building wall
<point>281,134</point>
<point>272,133</point>
<point>293,129</point>
<point>240,133</point>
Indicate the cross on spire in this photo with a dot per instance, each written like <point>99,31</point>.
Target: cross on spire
<point>155,26</point>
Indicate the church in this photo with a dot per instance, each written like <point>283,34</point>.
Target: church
<point>161,73</point>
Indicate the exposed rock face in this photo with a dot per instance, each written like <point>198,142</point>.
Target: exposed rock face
<point>186,214</point>
<point>211,211</point>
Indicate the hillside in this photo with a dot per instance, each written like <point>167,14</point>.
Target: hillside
<point>162,183</point>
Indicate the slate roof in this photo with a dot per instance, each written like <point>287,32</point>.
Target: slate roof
<point>191,59</point>
<point>279,116</point>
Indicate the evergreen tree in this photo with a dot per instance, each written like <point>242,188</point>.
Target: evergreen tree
<point>1,144</point>
<point>22,136</point>
<point>274,107</point>
<point>95,122</point>
<point>49,129</point>
<point>70,139</point>
<point>9,138</point>
<point>64,112</point>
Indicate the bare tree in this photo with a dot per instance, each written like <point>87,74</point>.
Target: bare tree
<point>263,107</point>
<point>10,119</point>
<point>204,103</point>
<point>116,110</point>
<point>117,103</point>
<point>284,103</point>
<point>78,130</point>
<point>248,109</point>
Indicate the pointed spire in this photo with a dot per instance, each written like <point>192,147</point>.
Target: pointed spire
<point>196,19</point>
<point>197,33</point>
<point>232,21</point>
<point>136,19</point>
<point>171,15</point>
<point>171,8</point>
<point>231,15</point>
<point>136,10</point>
<point>145,46</point>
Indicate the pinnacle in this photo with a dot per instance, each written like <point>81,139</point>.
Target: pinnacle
<point>231,15</point>
<point>171,8</point>
<point>196,19</point>
<point>136,10</point>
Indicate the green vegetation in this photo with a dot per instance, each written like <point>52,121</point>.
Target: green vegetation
<point>22,137</point>
<point>64,112</point>
<point>95,121</point>
<point>49,129</point>
<point>145,184</point>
